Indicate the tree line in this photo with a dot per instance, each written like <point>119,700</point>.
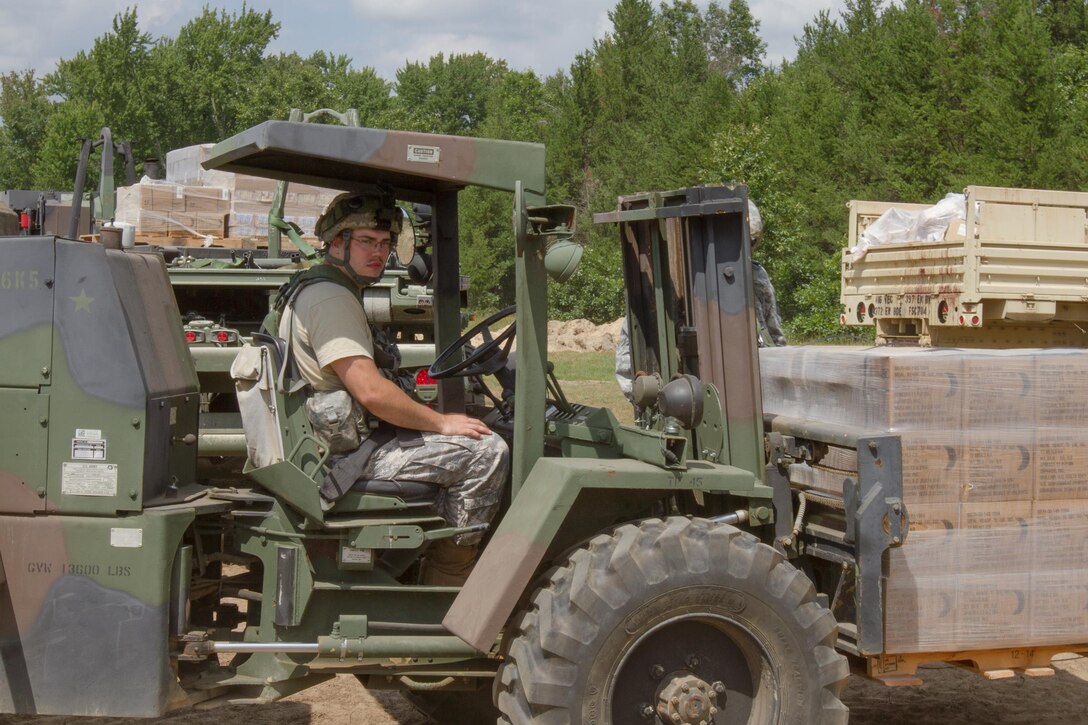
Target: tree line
<point>903,101</point>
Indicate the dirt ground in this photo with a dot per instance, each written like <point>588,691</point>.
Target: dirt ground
<point>948,695</point>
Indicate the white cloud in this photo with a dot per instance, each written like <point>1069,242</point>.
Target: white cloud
<point>383,34</point>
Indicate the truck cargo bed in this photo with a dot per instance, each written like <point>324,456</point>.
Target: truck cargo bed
<point>1013,274</point>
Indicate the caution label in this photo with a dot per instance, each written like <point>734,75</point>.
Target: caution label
<point>88,479</point>
<point>424,154</point>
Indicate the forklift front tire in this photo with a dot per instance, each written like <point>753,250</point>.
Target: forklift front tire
<point>675,621</point>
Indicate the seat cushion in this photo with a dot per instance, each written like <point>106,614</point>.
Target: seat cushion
<point>408,491</point>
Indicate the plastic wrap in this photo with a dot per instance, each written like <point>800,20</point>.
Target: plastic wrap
<point>900,225</point>
<point>238,207</point>
<point>160,208</point>
<point>995,480</point>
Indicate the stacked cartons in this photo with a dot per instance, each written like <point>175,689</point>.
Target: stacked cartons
<point>157,208</point>
<point>244,201</point>
<point>251,201</point>
<point>995,480</point>
<point>185,166</point>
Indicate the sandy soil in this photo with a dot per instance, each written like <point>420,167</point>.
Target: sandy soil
<point>949,695</point>
<point>578,336</point>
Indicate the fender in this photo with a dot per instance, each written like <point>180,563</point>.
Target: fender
<point>510,560</point>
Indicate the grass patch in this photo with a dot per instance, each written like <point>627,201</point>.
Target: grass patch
<point>589,378</point>
<point>599,366</point>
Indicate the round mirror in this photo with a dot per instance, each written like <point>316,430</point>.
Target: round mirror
<point>405,243</point>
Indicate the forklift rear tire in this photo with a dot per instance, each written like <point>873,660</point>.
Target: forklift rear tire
<point>677,621</point>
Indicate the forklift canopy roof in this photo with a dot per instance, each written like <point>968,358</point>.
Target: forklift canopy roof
<point>415,165</point>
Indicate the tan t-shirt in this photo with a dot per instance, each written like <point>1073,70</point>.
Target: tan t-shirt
<point>329,325</point>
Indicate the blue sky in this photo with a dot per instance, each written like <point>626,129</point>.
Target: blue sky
<point>542,35</point>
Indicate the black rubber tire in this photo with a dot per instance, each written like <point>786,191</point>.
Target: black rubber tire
<point>569,647</point>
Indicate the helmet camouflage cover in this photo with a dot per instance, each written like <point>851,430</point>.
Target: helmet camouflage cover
<point>755,222</point>
<point>351,211</point>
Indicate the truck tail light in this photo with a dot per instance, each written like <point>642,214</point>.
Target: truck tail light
<point>422,378</point>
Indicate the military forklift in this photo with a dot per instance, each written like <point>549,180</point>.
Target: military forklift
<point>635,574</point>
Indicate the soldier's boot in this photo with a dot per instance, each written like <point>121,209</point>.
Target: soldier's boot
<point>447,564</point>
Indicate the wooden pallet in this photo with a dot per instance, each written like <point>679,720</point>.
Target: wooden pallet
<point>994,664</point>
<point>222,242</point>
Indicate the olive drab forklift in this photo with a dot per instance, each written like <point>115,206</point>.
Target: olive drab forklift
<point>626,579</point>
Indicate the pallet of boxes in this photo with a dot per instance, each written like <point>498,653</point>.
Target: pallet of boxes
<point>196,207</point>
<point>993,572</point>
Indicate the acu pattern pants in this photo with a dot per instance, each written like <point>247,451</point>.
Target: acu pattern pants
<point>471,473</point>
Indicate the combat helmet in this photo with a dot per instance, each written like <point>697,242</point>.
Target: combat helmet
<point>353,211</point>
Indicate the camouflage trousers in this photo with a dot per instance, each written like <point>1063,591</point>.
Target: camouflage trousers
<point>471,473</point>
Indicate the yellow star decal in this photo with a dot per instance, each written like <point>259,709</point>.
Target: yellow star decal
<point>83,302</point>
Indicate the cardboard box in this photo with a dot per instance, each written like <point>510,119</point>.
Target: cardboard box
<point>183,166</point>
<point>930,548</point>
<point>206,199</point>
<point>913,389</point>
<point>999,390</point>
<point>1061,381</point>
<point>149,197</point>
<point>933,467</point>
<point>1061,464</point>
<point>1059,607</point>
<point>993,610</point>
<point>957,231</point>
<point>995,538</point>
<point>1060,535</point>
<point>999,465</point>
<point>919,612</point>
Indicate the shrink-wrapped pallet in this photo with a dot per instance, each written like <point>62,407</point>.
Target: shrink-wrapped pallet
<point>247,199</point>
<point>164,209</point>
<point>994,478</point>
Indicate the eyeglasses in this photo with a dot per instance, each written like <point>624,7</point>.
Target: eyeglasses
<point>381,245</point>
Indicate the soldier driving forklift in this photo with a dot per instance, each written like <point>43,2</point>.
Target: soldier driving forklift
<point>615,584</point>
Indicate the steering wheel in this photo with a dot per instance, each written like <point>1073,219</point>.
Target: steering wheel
<point>483,360</point>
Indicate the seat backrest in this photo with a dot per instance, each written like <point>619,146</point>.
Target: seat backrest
<point>254,372</point>
<point>284,455</point>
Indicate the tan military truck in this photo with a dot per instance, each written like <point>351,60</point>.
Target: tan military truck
<point>1013,262</point>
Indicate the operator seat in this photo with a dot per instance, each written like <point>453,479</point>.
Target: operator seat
<point>297,478</point>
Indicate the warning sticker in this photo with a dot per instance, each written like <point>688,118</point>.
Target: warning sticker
<point>88,479</point>
<point>424,154</point>
<point>89,449</point>
<point>127,538</point>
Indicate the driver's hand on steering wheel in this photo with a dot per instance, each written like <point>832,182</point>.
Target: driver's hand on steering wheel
<point>455,424</point>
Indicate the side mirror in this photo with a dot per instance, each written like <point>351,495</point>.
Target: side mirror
<point>405,243</point>
<point>554,225</point>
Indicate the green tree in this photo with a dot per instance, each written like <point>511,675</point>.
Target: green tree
<point>514,110</point>
<point>447,96</point>
<point>734,47</point>
<point>106,86</point>
<point>203,76</point>
<point>25,110</point>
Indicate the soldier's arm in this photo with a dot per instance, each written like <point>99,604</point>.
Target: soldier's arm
<point>774,320</point>
<point>384,399</point>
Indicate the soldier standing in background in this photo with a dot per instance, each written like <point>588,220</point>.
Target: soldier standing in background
<point>768,321</point>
